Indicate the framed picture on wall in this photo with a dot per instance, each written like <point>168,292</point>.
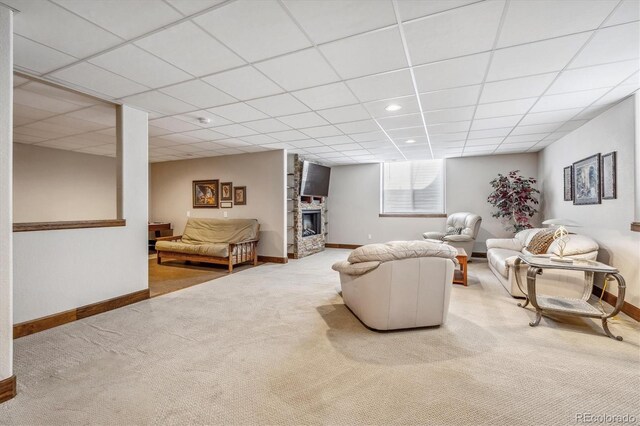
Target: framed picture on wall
<point>609,176</point>
<point>225,191</point>
<point>586,181</point>
<point>205,193</point>
<point>240,195</point>
<point>568,187</point>
<point>226,204</point>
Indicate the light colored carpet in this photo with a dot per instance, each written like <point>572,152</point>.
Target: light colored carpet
<point>275,345</point>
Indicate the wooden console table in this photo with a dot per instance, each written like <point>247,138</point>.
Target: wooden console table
<point>565,305</point>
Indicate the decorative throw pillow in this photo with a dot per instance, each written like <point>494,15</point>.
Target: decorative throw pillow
<point>540,242</point>
<point>454,231</point>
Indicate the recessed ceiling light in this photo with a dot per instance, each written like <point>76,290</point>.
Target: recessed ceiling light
<point>410,141</point>
<point>393,107</point>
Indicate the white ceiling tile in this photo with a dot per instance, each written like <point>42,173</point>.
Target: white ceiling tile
<point>119,17</point>
<point>279,145</point>
<point>259,139</point>
<point>346,147</point>
<point>205,135</point>
<point>51,25</point>
<point>521,138</point>
<point>616,94</point>
<point>449,115</point>
<point>28,114</point>
<point>325,21</point>
<point>252,149</point>
<point>335,140</point>
<point>36,57</point>
<point>317,132</point>
<point>198,93</point>
<point>105,115</point>
<point>344,114</point>
<point>535,58</point>
<point>255,30</point>
<point>17,80</point>
<point>358,126</point>
<point>191,49</point>
<point>411,132</point>
<point>230,151</point>
<point>23,96</point>
<point>467,30</point>
<point>499,109</point>
<point>87,76</point>
<point>463,71</point>
<point>299,70</point>
<point>448,137</point>
<point>383,86</point>
<point>235,130</point>
<point>58,93</point>
<point>266,126</point>
<point>135,64</point>
<point>515,147</point>
<point>327,96</point>
<point>400,121</point>
<point>186,148</point>
<point>319,149</point>
<point>238,112</point>
<point>594,77</point>
<point>306,119</point>
<point>288,135</point>
<point>549,116</point>
<point>305,143</point>
<point>408,105</point>
<point>366,54</point>
<point>411,9</point>
<point>158,102</point>
<point>206,146</point>
<point>534,129</point>
<point>489,133</point>
<point>628,11</point>
<point>450,98</point>
<point>528,21</point>
<point>193,118</point>
<point>496,123</point>
<point>568,100</point>
<point>485,141</point>
<point>455,127</point>
<point>572,125</point>
<point>592,112</point>
<point>179,138</point>
<point>517,88</point>
<point>278,105</point>
<point>612,44</point>
<point>244,83</point>
<point>188,7</point>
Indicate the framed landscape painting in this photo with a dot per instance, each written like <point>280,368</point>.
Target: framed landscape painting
<point>205,193</point>
<point>586,181</point>
<point>609,176</point>
<point>568,188</point>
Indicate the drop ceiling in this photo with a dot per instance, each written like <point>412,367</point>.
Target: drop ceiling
<point>315,77</point>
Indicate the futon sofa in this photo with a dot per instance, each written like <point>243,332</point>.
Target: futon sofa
<point>502,253</point>
<point>400,284</point>
<point>223,241</point>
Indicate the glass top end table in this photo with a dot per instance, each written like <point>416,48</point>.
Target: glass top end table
<point>565,305</point>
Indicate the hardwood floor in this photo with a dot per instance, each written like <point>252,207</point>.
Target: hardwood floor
<point>177,275</point>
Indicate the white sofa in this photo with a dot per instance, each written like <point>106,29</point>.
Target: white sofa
<point>502,252</point>
<point>402,284</point>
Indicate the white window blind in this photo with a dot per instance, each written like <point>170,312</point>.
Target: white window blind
<point>413,187</point>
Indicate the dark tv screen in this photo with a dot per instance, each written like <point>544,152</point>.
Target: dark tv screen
<point>315,180</point>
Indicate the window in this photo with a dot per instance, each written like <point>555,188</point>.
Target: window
<point>413,187</point>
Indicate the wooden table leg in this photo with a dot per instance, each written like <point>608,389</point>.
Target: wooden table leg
<point>462,260</point>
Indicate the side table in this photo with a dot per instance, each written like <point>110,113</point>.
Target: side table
<point>565,305</point>
<point>460,275</point>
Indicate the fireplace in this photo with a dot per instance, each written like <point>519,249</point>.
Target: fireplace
<point>311,223</point>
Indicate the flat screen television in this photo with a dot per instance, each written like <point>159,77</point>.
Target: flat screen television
<point>315,180</point>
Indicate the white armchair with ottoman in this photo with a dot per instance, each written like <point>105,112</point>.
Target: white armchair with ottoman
<point>400,284</point>
<point>462,231</point>
<point>502,253</point>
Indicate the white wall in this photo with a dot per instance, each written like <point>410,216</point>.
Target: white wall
<point>56,271</point>
<point>608,223</point>
<point>263,174</point>
<point>6,167</point>
<point>354,200</point>
<point>57,185</point>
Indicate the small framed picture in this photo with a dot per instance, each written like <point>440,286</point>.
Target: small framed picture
<point>586,181</point>
<point>240,195</point>
<point>609,176</point>
<point>205,193</point>
<point>568,187</point>
<point>226,204</point>
<point>225,191</point>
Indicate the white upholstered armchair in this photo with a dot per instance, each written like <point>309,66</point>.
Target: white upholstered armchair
<point>400,284</point>
<point>462,231</point>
